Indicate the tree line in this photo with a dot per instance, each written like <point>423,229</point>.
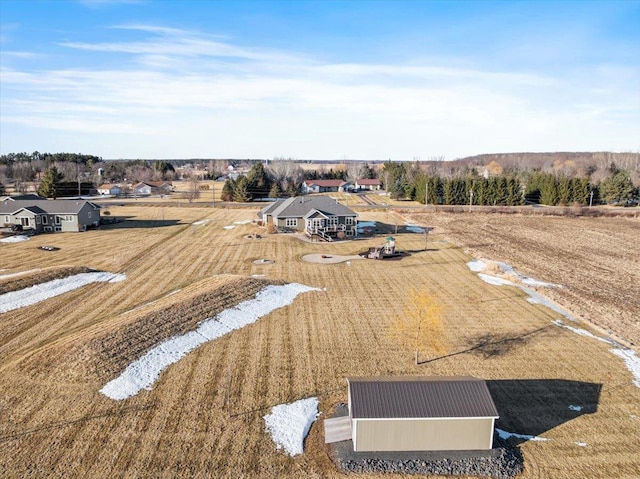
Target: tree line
<point>408,181</point>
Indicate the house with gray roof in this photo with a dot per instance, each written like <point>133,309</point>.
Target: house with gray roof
<point>319,217</point>
<point>323,186</point>
<point>44,216</point>
<point>416,413</point>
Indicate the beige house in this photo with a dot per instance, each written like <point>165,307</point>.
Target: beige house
<point>319,217</point>
<point>416,413</point>
<point>368,184</point>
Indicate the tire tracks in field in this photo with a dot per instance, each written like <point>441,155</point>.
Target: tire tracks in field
<point>66,329</point>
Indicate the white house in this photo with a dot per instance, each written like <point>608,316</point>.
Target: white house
<point>109,189</point>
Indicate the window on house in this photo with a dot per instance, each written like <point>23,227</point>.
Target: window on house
<point>332,220</point>
<point>349,220</point>
<point>45,220</point>
<point>291,222</point>
<point>89,214</point>
<point>57,220</point>
<point>37,220</point>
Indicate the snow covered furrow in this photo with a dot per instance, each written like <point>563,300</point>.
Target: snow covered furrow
<point>40,292</point>
<point>145,371</point>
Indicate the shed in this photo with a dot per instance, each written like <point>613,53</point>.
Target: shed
<point>421,413</point>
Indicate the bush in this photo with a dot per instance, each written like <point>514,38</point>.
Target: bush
<point>271,228</point>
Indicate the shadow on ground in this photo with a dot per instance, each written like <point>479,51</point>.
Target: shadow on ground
<point>122,222</point>
<point>491,345</point>
<point>535,406</point>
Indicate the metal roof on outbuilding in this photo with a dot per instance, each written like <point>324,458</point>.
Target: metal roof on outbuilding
<point>420,397</point>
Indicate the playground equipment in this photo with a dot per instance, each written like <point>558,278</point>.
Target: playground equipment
<point>387,250</point>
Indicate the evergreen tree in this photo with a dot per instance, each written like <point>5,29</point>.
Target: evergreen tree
<point>419,191</point>
<point>227,190</point>
<point>549,191</point>
<point>434,192</point>
<point>275,191</point>
<point>50,184</point>
<point>480,187</point>
<point>2,189</point>
<point>565,190</point>
<point>241,191</point>
<point>514,192</point>
<point>258,182</point>
<point>617,188</point>
<point>581,190</point>
<point>292,190</point>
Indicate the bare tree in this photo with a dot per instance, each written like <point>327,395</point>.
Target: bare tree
<point>193,188</point>
<point>420,326</point>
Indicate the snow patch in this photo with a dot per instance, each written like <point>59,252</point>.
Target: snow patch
<point>145,371</point>
<point>508,269</point>
<point>413,228</point>
<point>584,332</point>
<point>581,444</point>
<point>507,435</point>
<point>289,424</point>
<point>201,222</point>
<point>243,222</point>
<point>575,408</point>
<point>631,360</point>
<point>476,265</point>
<point>40,292</point>
<point>15,239</point>
<point>229,227</point>
<point>535,298</point>
<point>495,280</point>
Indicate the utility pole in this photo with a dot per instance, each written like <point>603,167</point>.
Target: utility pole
<point>78,173</point>
<point>426,192</point>
<point>591,199</point>
<point>470,198</point>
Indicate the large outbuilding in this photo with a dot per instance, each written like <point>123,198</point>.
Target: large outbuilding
<point>419,413</point>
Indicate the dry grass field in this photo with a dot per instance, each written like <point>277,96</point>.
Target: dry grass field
<point>597,260</point>
<point>203,418</point>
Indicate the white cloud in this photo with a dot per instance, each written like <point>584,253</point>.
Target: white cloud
<point>203,95</point>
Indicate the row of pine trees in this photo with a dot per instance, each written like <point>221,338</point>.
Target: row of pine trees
<point>511,189</point>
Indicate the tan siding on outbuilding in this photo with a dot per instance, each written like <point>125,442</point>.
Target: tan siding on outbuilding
<point>423,434</point>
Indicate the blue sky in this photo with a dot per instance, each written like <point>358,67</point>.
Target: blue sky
<point>365,80</point>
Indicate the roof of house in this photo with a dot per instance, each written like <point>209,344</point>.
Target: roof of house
<point>369,181</point>
<point>28,196</point>
<point>107,186</point>
<point>299,206</point>
<point>420,397</point>
<point>154,184</point>
<point>270,207</point>
<point>325,183</point>
<point>43,205</point>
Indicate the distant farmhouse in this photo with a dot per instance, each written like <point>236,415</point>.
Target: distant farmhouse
<point>146,188</point>
<point>319,217</point>
<point>43,216</point>
<point>416,413</point>
<point>368,184</point>
<point>108,189</point>
<point>323,186</point>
